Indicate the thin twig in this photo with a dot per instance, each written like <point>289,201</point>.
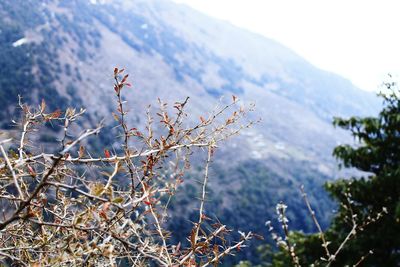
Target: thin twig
<point>15,178</point>
<point>203,195</point>
<point>363,258</point>
<point>312,213</point>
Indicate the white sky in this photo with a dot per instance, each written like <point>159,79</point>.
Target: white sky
<point>357,39</point>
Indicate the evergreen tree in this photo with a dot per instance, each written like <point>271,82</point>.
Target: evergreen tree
<point>370,204</point>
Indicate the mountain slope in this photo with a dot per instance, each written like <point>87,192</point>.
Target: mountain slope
<point>64,52</point>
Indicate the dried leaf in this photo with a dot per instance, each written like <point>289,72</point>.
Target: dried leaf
<point>216,251</point>
<point>193,237</point>
<point>42,106</point>
<point>78,220</point>
<point>115,116</point>
<point>98,189</point>
<point>81,152</point>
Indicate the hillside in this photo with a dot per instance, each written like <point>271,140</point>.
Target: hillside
<point>64,52</point>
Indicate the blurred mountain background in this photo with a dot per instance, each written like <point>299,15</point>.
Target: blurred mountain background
<point>65,51</point>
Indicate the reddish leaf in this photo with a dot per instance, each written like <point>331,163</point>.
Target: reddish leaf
<point>103,215</point>
<point>31,171</point>
<point>229,121</point>
<point>30,212</point>
<point>56,114</point>
<point>137,133</point>
<point>124,79</point>
<point>204,217</point>
<point>107,153</point>
<point>106,206</point>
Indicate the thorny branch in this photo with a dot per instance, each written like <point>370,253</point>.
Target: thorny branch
<point>73,207</point>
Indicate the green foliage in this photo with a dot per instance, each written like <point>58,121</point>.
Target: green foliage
<point>378,154</point>
<point>361,199</point>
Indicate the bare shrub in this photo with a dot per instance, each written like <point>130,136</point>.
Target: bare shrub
<point>110,208</point>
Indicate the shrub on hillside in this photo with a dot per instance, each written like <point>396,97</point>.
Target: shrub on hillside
<point>74,207</point>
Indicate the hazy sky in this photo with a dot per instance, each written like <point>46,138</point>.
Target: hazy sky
<point>357,39</point>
